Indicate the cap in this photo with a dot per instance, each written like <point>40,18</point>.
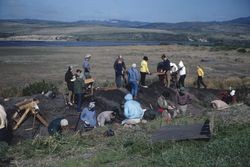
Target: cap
<point>232,93</point>
<point>88,56</point>
<point>134,65</point>
<point>64,122</point>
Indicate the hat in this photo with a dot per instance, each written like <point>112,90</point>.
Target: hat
<point>91,105</point>
<point>232,93</point>
<point>88,56</point>
<point>134,65</point>
<point>64,122</point>
<point>182,89</point>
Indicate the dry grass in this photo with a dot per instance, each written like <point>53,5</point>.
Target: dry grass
<point>23,65</point>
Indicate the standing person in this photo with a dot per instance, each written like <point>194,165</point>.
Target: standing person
<point>161,75</point>
<point>120,68</point>
<point>86,66</point>
<point>200,75</point>
<point>182,73</point>
<point>183,99</point>
<point>133,79</point>
<point>144,71</point>
<point>78,89</point>
<point>166,68</point>
<point>69,79</point>
<point>174,73</point>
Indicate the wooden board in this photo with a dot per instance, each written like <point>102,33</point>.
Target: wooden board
<point>89,81</point>
<point>182,132</point>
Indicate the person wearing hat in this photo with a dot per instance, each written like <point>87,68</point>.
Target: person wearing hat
<point>69,79</point>
<point>5,132</point>
<point>120,68</point>
<point>133,79</point>
<point>144,71</point>
<point>183,99</point>
<point>200,75</point>
<point>57,126</point>
<point>88,116</point>
<point>86,66</point>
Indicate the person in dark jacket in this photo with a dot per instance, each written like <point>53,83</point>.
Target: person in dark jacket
<point>166,70</point>
<point>78,89</point>
<point>57,126</point>
<point>69,79</point>
<point>120,69</point>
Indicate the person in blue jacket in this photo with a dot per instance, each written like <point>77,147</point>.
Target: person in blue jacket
<point>133,79</point>
<point>132,108</point>
<point>88,116</point>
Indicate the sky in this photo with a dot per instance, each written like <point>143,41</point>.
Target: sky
<point>170,11</point>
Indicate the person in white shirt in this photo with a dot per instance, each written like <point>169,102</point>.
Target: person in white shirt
<point>182,73</point>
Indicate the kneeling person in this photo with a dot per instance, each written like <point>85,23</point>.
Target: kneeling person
<point>88,116</point>
<point>105,116</point>
<point>58,125</point>
<point>132,111</point>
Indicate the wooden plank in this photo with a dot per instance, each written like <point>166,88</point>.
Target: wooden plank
<point>89,81</point>
<point>182,132</point>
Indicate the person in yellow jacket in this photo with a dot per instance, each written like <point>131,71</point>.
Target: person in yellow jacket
<point>200,74</point>
<point>144,71</point>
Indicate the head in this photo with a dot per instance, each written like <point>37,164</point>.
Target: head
<point>70,68</point>
<point>120,57</point>
<point>64,123</point>
<point>78,72</point>
<point>182,90</point>
<point>145,58</point>
<point>163,57</point>
<point>88,56</point>
<point>165,94</point>
<point>128,97</point>
<point>232,93</point>
<point>133,65</point>
<point>198,66</point>
<point>91,106</point>
<point>181,64</point>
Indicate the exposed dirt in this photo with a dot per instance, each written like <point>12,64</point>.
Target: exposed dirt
<point>106,99</point>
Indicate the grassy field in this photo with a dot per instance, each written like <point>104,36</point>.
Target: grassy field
<point>133,147</point>
<point>23,65</point>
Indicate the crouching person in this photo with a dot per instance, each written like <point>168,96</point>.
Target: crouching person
<point>88,117</point>
<point>105,116</point>
<point>5,132</point>
<point>183,99</point>
<point>58,126</point>
<point>132,111</point>
<point>167,109</point>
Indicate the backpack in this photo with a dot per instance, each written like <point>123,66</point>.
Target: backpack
<point>149,114</point>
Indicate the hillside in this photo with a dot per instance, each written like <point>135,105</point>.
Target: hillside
<point>234,32</point>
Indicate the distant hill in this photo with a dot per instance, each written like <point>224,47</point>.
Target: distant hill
<point>236,31</point>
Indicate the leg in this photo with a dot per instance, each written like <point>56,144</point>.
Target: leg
<point>198,82</point>
<point>79,101</point>
<point>118,81</point>
<point>205,86</point>
<point>168,78</point>
<point>143,78</point>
